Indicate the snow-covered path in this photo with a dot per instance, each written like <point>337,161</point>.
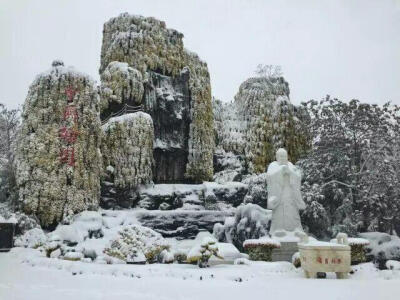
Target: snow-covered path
<point>55,281</point>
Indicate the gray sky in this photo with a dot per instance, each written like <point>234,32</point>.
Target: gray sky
<point>348,49</point>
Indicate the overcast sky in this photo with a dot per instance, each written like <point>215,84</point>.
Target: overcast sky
<point>347,49</point>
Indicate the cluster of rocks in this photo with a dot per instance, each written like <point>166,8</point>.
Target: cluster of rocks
<point>150,135</point>
<point>150,120</point>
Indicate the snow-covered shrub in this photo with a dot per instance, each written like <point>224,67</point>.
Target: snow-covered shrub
<point>250,222</point>
<point>33,238</point>
<point>180,256</point>
<point>260,249</point>
<point>166,257</point>
<point>382,247</point>
<point>134,242</point>
<point>393,265</point>
<point>358,249</point>
<point>58,159</point>
<point>257,193</point>
<point>202,252</point>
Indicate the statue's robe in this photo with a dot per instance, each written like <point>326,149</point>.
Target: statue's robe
<point>284,197</point>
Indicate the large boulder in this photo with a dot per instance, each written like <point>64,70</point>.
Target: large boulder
<point>127,150</point>
<point>259,121</point>
<point>58,159</point>
<point>176,93</point>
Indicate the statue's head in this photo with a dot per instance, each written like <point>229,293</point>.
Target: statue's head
<point>282,156</point>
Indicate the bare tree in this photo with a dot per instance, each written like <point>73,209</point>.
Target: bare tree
<point>9,123</point>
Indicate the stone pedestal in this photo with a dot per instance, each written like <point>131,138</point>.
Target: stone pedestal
<point>285,252</point>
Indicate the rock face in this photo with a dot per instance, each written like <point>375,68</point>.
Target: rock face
<point>209,196</point>
<point>59,160</point>
<point>261,120</point>
<point>176,93</point>
<point>181,224</point>
<point>127,150</point>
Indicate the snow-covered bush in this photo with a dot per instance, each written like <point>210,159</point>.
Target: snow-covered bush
<point>166,257</point>
<point>250,222</point>
<point>382,247</point>
<point>260,249</point>
<point>135,242</point>
<point>202,252</point>
<point>257,193</point>
<point>58,159</point>
<point>33,238</point>
<point>358,249</point>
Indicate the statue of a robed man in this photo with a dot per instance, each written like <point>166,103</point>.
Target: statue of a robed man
<point>284,196</point>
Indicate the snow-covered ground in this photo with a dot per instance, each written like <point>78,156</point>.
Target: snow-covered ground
<point>25,274</point>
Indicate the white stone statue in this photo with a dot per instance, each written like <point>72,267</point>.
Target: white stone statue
<point>284,197</point>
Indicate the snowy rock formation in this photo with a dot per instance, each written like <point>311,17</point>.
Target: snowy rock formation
<point>176,93</point>
<point>127,150</point>
<point>259,121</point>
<point>58,161</point>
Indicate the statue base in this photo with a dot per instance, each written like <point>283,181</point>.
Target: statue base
<point>285,252</point>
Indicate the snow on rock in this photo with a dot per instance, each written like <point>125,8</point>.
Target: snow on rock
<point>33,238</point>
<point>121,83</point>
<point>382,247</point>
<point>127,150</point>
<point>393,265</point>
<point>263,241</point>
<point>182,224</point>
<point>354,241</point>
<point>259,121</point>
<point>228,251</point>
<point>58,159</point>
<point>177,92</point>
<point>209,195</point>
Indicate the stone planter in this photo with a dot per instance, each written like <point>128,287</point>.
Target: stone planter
<point>319,256</point>
<point>260,249</point>
<point>6,236</point>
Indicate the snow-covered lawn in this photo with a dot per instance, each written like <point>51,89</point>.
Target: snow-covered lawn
<point>26,275</point>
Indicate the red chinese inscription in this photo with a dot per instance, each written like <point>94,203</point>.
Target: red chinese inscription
<point>70,92</point>
<point>68,135</point>
<point>71,112</point>
<point>67,156</point>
